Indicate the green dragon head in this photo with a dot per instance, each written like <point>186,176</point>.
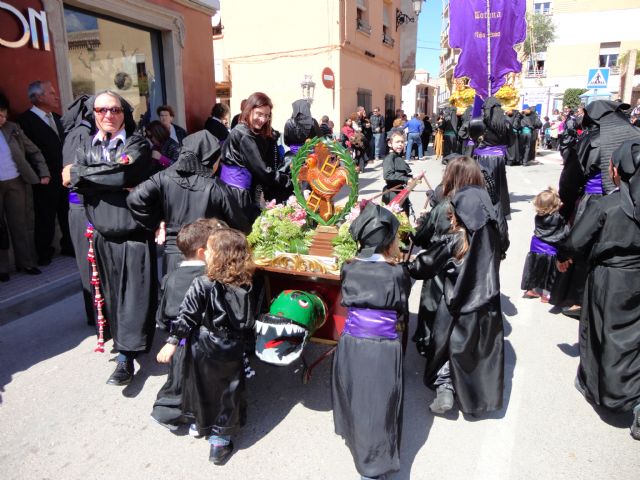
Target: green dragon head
<point>293,317</point>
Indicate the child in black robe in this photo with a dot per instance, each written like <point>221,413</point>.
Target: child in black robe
<point>395,170</point>
<point>539,273</point>
<point>367,386</point>
<point>192,242</point>
<point>216,316</point>
<point>465,354</point>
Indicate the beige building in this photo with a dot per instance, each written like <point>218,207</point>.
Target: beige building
<point>367,47</point>
<point>590,34</point>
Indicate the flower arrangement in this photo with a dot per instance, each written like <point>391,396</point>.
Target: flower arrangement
<point>345,247</point>
<point>280,228</point>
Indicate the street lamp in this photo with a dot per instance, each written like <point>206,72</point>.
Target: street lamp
<point>402,18</point>
<point>308,88</point>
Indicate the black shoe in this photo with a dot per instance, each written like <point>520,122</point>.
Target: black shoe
<point>220,454</point>
<point>635,426</point>
<point>4,277</point>
<point>573,313</point>
<point>43,262</point>
<point>32,271</point>
<point>443,401</point>
<point>122,375</point>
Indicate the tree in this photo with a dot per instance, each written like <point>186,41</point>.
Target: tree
<point>541,31</point>
<point>571,97</point>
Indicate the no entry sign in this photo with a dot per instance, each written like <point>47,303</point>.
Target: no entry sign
<point>328,79</point>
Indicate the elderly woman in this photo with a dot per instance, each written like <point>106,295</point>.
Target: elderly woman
<point>165,114</point>
<point>21,164</point>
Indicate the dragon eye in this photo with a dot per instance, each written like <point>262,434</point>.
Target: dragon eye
<point>303,303</point>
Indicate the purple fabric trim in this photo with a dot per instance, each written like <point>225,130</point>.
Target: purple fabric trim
<point>594,185</point>
<point>367,323</point>
<point>74,198</point>
<point>538,246</point>
<point>235,176</point>
<point>492,151</point>
<point>183,342</point>
<point>294,148</point>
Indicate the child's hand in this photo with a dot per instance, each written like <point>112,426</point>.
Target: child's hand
<point>166,352</point>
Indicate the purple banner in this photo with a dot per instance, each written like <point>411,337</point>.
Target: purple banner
<point>538,246</point>
<point>367,323</point>
<point>468,31</point>
<point>235,176</point>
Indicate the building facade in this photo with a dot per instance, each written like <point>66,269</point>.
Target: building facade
<point>589,35</point>
<point>354,52</point>
<point>420,95</point>
<point>149,51</point>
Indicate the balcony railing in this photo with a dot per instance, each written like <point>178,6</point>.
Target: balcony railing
<point>535,74</point>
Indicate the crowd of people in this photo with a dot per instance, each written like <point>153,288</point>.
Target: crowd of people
<point>127,188</point>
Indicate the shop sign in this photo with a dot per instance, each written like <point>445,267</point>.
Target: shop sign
<point>28,27</point>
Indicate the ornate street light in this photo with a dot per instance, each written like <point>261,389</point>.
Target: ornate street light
<point>308,88</point>
<point>402,18</point>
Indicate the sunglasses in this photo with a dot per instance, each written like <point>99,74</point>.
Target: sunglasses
<point>103,111</point>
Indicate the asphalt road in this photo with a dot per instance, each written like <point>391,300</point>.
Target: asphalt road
<point>58,419</point>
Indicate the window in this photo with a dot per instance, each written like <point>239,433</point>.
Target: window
<point>542,7</point>
<point>608,57</point>
<point>364,99</point>
<point>362,17</point>
<point>109,54</point>
<point>386,27</point>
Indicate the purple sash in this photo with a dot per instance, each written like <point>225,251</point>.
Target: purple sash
<point>367,323</point>
<point>594,185</point>
<point>538,246</point>
<point>491,151</point>
<point>294,148</point>
<point>74,198</point>
<point>235,176</point>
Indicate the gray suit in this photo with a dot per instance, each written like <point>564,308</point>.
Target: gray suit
<point>15,195</point>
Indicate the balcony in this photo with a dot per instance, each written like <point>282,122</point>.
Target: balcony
<point>387,40</point>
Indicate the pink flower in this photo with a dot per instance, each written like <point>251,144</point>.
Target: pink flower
<point>271,204</point>
<point>292,201</point>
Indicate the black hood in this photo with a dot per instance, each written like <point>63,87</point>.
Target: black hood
<point>473,207</point>
<point>198,154</point>
<point>627,160</point>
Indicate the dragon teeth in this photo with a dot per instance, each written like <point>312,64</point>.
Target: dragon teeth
<point>288,329</point>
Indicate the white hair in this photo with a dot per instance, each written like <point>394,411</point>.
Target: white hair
<point>35,89</point>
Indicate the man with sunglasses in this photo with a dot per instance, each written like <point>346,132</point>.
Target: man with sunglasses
<point>105,169</point>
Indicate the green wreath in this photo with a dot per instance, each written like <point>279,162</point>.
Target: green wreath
<point>343,154</point>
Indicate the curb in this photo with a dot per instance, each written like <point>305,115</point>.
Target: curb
<point>33,300</point>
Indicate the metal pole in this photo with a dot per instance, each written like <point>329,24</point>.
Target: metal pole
<point>489,92</point>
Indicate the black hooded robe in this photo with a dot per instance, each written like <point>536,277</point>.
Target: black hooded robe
<point>367,385</point>
<point>513,127</point>
<point>468,330</point>
<point>125,252</point>
<point>610,322</point>
<point>185,192</point>
<point>495,135</point>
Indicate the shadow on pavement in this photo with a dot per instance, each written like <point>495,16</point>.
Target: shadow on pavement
<point>149,367</point>
<point>570,350</point>
<point>38,337</point>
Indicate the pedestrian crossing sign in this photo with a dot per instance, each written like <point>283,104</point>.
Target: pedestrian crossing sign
<point>598,78</point>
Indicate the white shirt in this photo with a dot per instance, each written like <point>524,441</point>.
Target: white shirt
<point>191,263</point>
<point>8,168</point>
<point>113,143</point>
<point>43,116</point>
<point>172,133</point>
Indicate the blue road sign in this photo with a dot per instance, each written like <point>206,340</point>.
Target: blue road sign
<point>598,78</point>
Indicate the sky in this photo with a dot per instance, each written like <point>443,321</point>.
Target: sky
<point>429,24</point>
